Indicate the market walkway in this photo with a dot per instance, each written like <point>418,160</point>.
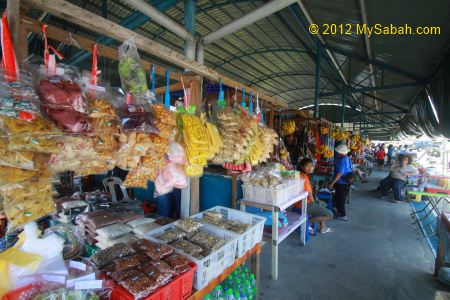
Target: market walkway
<point>376,255</point>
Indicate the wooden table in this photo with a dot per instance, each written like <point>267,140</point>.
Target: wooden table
<point>294,221</point>
<point>253,253</point>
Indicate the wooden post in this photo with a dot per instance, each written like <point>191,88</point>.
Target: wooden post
<point>234,190</point>
<point>13,15</point>
<point>270,120</point>
<point>196,99</point>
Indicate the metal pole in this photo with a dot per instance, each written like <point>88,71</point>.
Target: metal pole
<point>189,24</point>
<point>354,118</point>
<point>317,87</point>
<point>248,19</point>
<point>343,108</point>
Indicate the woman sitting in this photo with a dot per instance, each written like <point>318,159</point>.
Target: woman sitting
<point>400,171</point>
<point>316,212</point>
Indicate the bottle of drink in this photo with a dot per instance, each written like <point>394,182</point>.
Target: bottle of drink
<point>229,295</point>
<point>207,297</point>
<point>237,285</point>
<point>237,296</point>
<point>248,290</point>
<point>229,281</point>
<point>243,297</point>
<point>217,294</point>
<point>253,284</point>
<point>247,274</point>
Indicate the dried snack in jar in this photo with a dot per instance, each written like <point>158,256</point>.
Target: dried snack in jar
<point>207,240</point>
<point>139,285</point>
<point>121,275</point>
<point>109,255</point>
<point>126,263</point>
<point>158,251</point>
<point>187,247</point>
<point>26,201</point>
<point>171,235</point>
<point>177,261</point>
<point>188,225</point>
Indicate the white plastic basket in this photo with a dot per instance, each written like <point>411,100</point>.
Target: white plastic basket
<point>212,265</point>
<point>249,238</point>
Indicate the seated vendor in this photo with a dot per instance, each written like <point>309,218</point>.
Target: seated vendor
<point>316,212</point>
<point>396,180</point>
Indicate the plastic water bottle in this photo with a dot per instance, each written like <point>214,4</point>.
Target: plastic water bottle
<point>229,295</point>
<point>253,284</point>
<point>243,279</point>
<point>237,285</point>
<point>243,297</point>
<point>207,297</point>
<point>247,274</point>
<point>237,296</point>
<point>217,294</point>
<point>248,290</point>
<point>229,281</point>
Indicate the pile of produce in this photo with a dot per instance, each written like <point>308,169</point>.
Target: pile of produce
<point>288,127</point>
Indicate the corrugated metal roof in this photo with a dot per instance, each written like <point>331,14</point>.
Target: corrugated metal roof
<point>277,54</point>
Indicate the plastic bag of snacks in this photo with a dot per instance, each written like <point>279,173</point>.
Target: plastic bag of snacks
<point>132,74</point>
<point>139,285</point>
<point>26,201</point>
<point>73,150</point>
<point>99,105</point>
<point>109,255</point>
<point>176,153</point>
<point>14,159</point>
<point>105,126</point>
<point>62,90</point>
<point>33,143</point>
<point>166,122</point>
<point>136,178</point>
<point>13,126</point>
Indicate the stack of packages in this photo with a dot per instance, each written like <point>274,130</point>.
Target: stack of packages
<point>104,228</point>
<point>27,139</point>
<point>187,235</point>
<point>195,141</point>
<point>217,219</point>
<point>141,268</point>
<point>268,138</point>
<point>229,132</point>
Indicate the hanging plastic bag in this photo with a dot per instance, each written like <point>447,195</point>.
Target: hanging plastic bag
<point>132,74</point>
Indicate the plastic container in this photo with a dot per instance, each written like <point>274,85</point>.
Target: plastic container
<point>178,288</point>
<point>212,265</point>
<point>275,195</point>
<point>249,238</point>
<point>28,291</point>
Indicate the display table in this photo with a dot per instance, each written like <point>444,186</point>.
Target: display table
<point>294,221</point>
<point>252,253</point>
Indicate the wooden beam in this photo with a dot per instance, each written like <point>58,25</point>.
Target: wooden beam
<point>173,87</point>
<point>75,14</point>
<point>13,15</point>
<point>62,36</point>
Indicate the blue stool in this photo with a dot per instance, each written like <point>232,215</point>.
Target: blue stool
<point>307,229</point>
<point>328,197</point>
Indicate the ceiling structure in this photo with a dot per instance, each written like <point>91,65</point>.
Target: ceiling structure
<point>278,55</point>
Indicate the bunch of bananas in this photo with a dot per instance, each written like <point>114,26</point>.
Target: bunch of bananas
<point>355,145</point>
<point>288,127</point>
<point>324,130</point>
<point>196,144</point>
<point>366,142</point>
<point>339,135</point>
<point>284,155</point>
<point>325,151</point>
<point>355,137</point>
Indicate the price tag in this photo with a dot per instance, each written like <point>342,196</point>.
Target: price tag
<point>54,278</point>
<point>88,285</point>
<point>71,282</point>
<point>77,265</point>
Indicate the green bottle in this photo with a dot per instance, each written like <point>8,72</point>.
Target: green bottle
<point>207,297</point>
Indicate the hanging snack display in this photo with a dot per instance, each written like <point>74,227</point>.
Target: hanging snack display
<point>166,122</point>
<point>132,74</point>
<point>195,140</point>
<point>288,127</point>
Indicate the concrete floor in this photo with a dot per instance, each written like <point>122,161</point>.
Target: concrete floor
<point>377,254</point>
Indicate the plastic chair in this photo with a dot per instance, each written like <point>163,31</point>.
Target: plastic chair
<point>110,183</point>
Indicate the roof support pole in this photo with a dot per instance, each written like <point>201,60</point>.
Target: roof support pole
<point>343,109</point>
<point>161,18</point>
<point>354,118</point>
<point>252,17</point>
<point>317,87</point>
<point>189,24</point>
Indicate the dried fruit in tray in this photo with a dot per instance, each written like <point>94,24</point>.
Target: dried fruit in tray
<point>26,201</point>
<point>177,261</point>
<point>126,263</point>
<point>121,275</point>
<point>158,251</point>
<point>140,285</point>
<point>188,225</point>
<point>171,235</point>
<point>188,247</point>
<point>207,240</point>
<point>105,257</point>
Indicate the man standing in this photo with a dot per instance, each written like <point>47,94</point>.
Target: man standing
<point>342,167</point>
<point>380,155</point>
<point>390,153</point>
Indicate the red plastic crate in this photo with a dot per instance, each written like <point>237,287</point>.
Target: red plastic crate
<point>26,292</point>
<point>178,289</point>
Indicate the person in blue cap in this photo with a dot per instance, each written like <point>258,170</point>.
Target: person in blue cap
<point>342,168</point>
